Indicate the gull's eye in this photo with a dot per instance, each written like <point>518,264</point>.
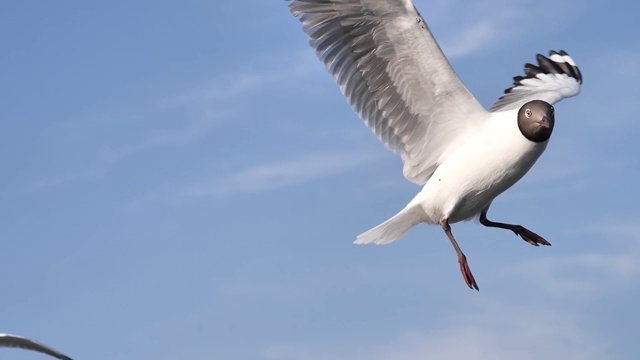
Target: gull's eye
<point>527,113</point>
<point>552,110</point>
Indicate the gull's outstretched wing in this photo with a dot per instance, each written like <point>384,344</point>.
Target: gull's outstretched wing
<point>553,79</point>
<point>395,76</point>
<point>13,341</point>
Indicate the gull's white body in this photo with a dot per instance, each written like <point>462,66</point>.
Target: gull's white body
<point>468,180</point>
<point>396,78</point>
<point>481,169</point>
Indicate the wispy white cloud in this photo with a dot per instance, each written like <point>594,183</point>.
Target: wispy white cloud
<point>290,352</point>
<point>59,180</point>
<point>275,175</point>
<point>611,80</point>
<point>489,30</point>
<point>245,282</point>
<point>181,133</point>
<point>492,330</point>
<point>483,26</point>
<point>501,329</point>
<point>206,105</point>
<point>268,72</point>
<point>626,64</point>
<point>584,272</point>
<point>189,115</point>
<point>189,133</point>
<point>591,272</point>
<point>562,160</point>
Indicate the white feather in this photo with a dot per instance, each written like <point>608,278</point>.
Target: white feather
<point>562,58</point>
<point>394,75</point>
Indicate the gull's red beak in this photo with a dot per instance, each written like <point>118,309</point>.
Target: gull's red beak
<point>544,122</point>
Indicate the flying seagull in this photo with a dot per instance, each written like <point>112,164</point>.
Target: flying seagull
<point>14,341</point>
<point>397,79</point>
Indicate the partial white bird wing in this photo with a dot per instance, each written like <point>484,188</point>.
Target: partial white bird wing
<point>14,341</point>
<point>553,79</point>
<point>395,76</point>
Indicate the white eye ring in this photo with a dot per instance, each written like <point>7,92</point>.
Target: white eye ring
<point>527,113</point>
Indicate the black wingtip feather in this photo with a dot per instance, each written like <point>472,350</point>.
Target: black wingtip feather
<point>558,63</point>
<point>547,66</point>
<point>577,74</point>
<point>531,70</point>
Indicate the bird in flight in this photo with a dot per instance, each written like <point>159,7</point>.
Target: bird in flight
<point>14,341</point>
<point>397,79</point>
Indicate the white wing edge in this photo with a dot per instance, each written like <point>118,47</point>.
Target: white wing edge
<point>554,78</point>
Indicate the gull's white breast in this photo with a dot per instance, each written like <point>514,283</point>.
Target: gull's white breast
<point>481,169</point>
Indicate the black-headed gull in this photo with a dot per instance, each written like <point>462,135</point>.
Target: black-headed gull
<point>396,78</point>
<point>14,341</point>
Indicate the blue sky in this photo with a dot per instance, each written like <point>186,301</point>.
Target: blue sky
<point>182,180</point>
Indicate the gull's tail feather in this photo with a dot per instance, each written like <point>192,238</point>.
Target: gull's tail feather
<point>390,230</point>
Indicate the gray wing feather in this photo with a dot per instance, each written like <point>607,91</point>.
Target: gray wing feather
<point>14,341</point>
<point>395,76</point>
<point>553,79</point>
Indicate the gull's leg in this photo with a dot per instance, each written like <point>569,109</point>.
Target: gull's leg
<point>528,235</point>
<point>464,266</point>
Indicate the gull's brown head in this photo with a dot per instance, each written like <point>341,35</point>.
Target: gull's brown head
<point>536,120</point>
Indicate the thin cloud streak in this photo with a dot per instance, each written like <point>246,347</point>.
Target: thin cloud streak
<point>590,272</point>
<point>210,103</point>
<point>490,331</point>
<point>198,110</point>
<point>238,83</point>
<point>582,273</point>
<point>619,110</point>
<point>54,181</point>
<point>276,175</point>
<point>487,24</point>
<point>480,36</point>
<point>190,133</point>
